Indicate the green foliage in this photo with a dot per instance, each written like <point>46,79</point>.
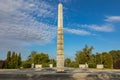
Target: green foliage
<point>84,55</point>
<point>19,60</point>
<point>8,56</point>
<point>93,58</point>
<point>98,58</point>
<point>116,58</point>
<point>92,65</point>
<point>74,64</point>
<point>26,64</point>
<point>8,59</point>
<point>107,60</point>
<point>45,65</point>
<point>31,57</point>
<point>67,62</point>
<point>81,58</point>
<point>13,61</point>
<point>117,64</point>
<point>115,55</point>
<point>52,61</point>
<point>39,58</point>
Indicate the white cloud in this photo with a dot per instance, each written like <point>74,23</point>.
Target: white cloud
<point>9,6</point>
<point>19,27</point>
<point>78,32</point>
<point>112,19</point>
<point>102,28</point>
<point>31,33</point>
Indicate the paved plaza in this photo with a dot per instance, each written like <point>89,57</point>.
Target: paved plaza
<point>50,74</point>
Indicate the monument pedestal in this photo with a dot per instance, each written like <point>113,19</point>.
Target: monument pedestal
<point>60,70</point>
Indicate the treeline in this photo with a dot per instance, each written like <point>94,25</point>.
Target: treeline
<point>13,61</point>
<point>108,59</point>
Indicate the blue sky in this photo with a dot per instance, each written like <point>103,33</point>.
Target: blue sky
<point>27,25</point>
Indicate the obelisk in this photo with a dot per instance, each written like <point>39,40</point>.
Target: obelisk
<point>60,40</point>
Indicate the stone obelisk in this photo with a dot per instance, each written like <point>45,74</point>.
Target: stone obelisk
<point>60,40</point>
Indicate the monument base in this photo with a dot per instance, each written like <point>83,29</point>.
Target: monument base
<point>60,70</point>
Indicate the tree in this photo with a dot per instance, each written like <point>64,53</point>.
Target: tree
<point>74,64</point>
<point>88,51</point>
<point>116,57</point>
<point>92,63</point>
<point>31,57</point>
<point>93,58</point>
<point>8,56</point>
<point>117,64</point>
<point>84,55</point>
<point>41,58</point>
<point>67,62</point>
<point>19,60</point>
<point>14,61</point>
<point>81,58</point>
<point>107,60</point>
<point>99,58</point>
<point>8,59</point>
<point>26,64</point>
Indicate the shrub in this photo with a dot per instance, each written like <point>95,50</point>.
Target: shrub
<point>116,65</point>
<point>92,65</point>
<point>74,64</point>
<point>26,64</point>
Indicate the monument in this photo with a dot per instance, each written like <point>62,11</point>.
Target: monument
<point>60,41</point>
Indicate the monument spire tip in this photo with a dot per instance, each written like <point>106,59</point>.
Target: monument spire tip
<point>60,4</point>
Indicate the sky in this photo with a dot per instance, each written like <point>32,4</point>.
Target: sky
<point>31,25</point>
